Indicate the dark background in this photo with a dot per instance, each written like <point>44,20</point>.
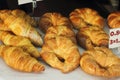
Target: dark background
<point>63,6</point>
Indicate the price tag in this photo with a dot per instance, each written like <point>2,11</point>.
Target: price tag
<point>114,38</point>
<point>20,2</point>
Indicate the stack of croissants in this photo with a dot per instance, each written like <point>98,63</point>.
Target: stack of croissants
<point>59,47</point>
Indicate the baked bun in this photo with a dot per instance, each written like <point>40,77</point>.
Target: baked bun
<point>53,19</point>
<point>100,61</point>
<point>114,19</point>
<point>83,17</point>
<point>90,37</point>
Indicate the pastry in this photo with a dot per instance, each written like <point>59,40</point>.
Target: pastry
<point>19,60</point>
<point>21,13</point>
<point>100,61</point>
<point>12,40</point>
<point>89,37</point>
<point>113,20</point>
<point>55,31</point>
<point>53,19</point>
<point>60,50</point>
<point>82,17</point>
<point>19,26</point>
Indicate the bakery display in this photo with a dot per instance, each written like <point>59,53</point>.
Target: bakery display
<point>59,50</point>
<point>22,47</point>
<point>53,19</point>
<point>13,40</point>
<point>19,26</point>
<point>82,17</point>
<point>113,20</point>
<point>100,61</point>
<point>19,60</point>
<point>90,37</point>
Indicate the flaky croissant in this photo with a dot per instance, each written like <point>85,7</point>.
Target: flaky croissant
<point>89,37</point>
<point>113,19</point>
<point>82,17</point>
<point>53,19</point>
<point>12,40</point>
<point>19,60</point>
<point>55,31</point>
<point>100,61</point>
<point>21,13</point>
<point>60,50</point>
<point>19,26</point>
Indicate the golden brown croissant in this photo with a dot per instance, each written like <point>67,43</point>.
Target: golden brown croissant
<point>60,50</point>
<point>113,20</point>
<point>3,26</point>
<point>89,37</point>
<point>19,60</point>
<point>53,19</point>
<point>82,17</point>
<point>21,13</point>
<point>100,61</point>
<point>55,31</point>
<point>19,26</point>
<point>9,39</point>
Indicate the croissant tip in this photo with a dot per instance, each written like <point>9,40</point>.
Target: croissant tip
<point>38,68</point>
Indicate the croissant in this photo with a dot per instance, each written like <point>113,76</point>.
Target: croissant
<point>53,19</point>
<point>12,40</point>
<point>60,50</point>
<point>2,25</point>
<point>113,19</point>
<point>21,13</point>
<point>19,60</point>
<point>19,26</point>
<point>100,61</point>
<point>55,31</point>
<point>89,37</point>
<point>82,17</point>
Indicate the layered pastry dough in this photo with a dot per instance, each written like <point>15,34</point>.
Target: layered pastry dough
<point>60,50</point>
<point>12,40</point>
<point>100,61</point>
<point>19,60</point>
<point>53,19</point>
<point>89,37</point>
<point>82,17</point>
<point>113,20</point>
<point>19,26</point>
<point>21,13</point>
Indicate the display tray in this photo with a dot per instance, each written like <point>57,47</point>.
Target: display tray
<point>7,73</point>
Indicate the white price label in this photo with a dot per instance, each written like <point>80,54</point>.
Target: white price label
<point>114,38</point>
<point>20,2</point>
